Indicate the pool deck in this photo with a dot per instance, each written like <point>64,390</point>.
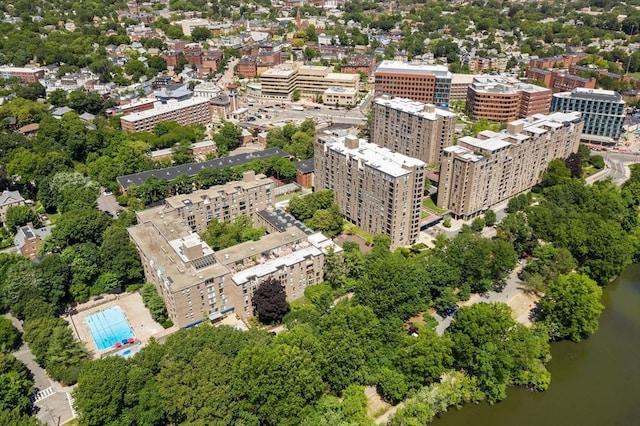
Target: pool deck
<point>134,310</point>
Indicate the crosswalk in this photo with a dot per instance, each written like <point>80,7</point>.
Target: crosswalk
<point>40,395</point>
<point>73,410</point>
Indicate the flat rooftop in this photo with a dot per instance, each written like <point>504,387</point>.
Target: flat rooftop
<point>159,108</point>
<point>504,84</point>
<point>592,94</point>
<point>398,67</point>
<point>192,169</point>
<point>376,157</point>
<point>263,247</point>
<point>414,107</point>
<point>282,221</point>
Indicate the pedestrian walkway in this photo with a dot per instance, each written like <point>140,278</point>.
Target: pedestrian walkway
<point>40,395</point>
<point>73,410</point>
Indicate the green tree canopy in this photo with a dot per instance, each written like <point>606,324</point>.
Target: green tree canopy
<point>571,307</point>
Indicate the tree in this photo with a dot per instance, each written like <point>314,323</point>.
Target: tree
<point>478,224</point>
<point>154,303</point>
<point>574,163</point>
<point>9,336</point>
<point>227,138</point>
<point>78,226</point>
<point>54,275</point>
<point>423,359</point>
<point>196,390</point>
<point>329,221</point>
<point>99,395</point>
<point>20,216</point>
<point>200,33</point>
<point>275,383</point>
<point>65,356</point>
<point>270,301</point>
<point>16,385</point>
<point>571,307</point>
<point>295,96</point>
<point>489,344</point>
<point>119,256</point>
<point>490,217</point>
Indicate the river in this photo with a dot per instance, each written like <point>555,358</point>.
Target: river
<point>593,383</point>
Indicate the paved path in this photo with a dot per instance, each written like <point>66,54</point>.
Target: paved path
<point>511,289</point>
<point>52,400</point>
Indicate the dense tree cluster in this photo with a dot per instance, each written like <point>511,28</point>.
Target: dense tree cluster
<point>318,211</point>
<point>220,235</point>
<point>155,304</point>
<point>270,301</point>
<point>296,140</point>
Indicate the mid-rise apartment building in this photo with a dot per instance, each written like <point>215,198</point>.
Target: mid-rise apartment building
<point>603,112</point>
<point>200,284</point>
<point>26,75</point>
<point>378,190</point>
<point>424,83</point>
<point>560,80</point>
<point>499,98</point>
<point>412,128</point>
<point>481,171</point>
<point>194,110</point>
<point>223,202</point>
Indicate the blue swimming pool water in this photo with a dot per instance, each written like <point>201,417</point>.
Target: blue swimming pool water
<point>108,327</point>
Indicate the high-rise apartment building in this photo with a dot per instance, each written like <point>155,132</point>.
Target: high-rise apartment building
<point>412,128</point>
<point>482,171</point>
<point>499,98</point>
<point>200,284</point>
<point>184,112</point>
<point>603,112</point>
<point>376,189</point>
<point>424,83</point>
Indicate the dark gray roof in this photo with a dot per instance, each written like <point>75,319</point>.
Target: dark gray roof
<point>192,169</point>
<point>281,220</point>
<point>305,166</point>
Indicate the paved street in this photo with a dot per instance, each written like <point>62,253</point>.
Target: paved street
<point>51,399</point>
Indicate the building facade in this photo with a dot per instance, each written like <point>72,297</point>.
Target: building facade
<point>279,83</point>
<point>560,81</point>
<point>603,112</point>
<point>412,128</point>
<point>26,75</point>
<point>199,284</point>
<point>189,111</point>
<point>499,98</point>
<point>423,83</point>
<point>313,81</point>
<point>481,171</point>
<point>378,190</point>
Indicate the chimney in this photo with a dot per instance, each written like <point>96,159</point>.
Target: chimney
<point>515,127</point>
<point>249,176</point>
<point>351,142</point>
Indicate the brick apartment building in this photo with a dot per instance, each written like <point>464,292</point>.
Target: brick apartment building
<point>355,64</point>
<point>412,128</point>
<point>378,190</point>
<point>498,98</point>
<point>480,172</point>
<point>559,81</point>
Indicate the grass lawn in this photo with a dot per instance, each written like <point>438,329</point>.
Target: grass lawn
<point>424,215</point>
<point>350,228</point>
<point>428,203</point>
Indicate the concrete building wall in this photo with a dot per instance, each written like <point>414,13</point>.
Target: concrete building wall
<point>412,128</point>
<point>377,190</point>
<point>485,170</point>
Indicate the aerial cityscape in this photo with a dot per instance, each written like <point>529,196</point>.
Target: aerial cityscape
<point>319,212</point>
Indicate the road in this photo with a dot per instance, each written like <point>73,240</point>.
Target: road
<point>617,166</point>
<point>52,400</point>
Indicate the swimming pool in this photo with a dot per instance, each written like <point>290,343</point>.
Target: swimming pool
<point>108,327</point>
